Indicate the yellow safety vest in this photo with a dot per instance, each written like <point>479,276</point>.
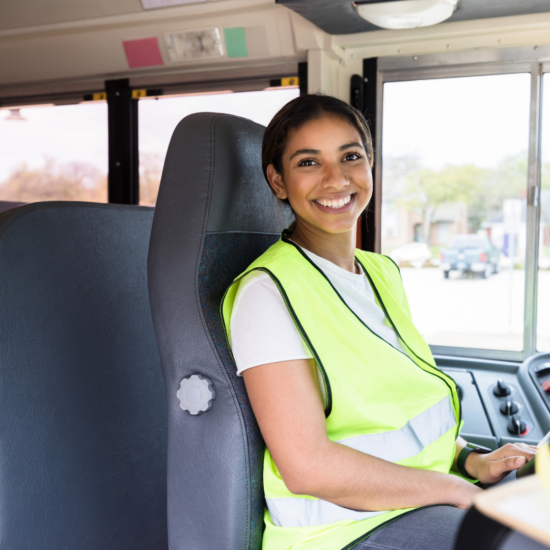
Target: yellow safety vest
<point>397,407</point>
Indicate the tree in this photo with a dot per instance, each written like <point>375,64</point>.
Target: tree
<point>426,189</point>
<point>76,181</point>
<point>150,171</point>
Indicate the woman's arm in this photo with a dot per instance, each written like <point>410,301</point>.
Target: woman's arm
<point>286,400</point>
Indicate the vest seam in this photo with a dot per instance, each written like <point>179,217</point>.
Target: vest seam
<point>301,330</point>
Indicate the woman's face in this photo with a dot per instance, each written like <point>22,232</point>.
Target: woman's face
<point>326,175</point>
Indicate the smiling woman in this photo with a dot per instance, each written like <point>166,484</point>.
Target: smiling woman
<point>320,332</point>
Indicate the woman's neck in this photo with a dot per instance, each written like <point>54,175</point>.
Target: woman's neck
<point>336,248</point>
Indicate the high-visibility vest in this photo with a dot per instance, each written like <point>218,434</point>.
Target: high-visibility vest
<point>395,406</point>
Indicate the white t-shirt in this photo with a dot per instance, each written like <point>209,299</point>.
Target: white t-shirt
<point>262,330</point>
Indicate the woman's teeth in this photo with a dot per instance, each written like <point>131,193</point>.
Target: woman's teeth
<point>334,203</point>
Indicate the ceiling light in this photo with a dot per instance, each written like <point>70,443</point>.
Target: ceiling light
<point>406,14</point>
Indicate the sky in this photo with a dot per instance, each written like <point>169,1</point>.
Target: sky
<point>476,120</point>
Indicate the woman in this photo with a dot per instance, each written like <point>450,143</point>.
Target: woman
<point>361,427</point>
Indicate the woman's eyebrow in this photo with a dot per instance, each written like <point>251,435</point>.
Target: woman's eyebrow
<point>349,145</point>
<point>305,152</point>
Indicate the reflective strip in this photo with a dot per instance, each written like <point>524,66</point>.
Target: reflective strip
<point>302,512</point>
<point>410,440</point>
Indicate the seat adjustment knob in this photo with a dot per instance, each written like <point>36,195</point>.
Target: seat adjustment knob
<point>196,394</point>
<point>501,389</point>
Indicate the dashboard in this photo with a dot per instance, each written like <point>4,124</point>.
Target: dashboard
<point>502,402</point>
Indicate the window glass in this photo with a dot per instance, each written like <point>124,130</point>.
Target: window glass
<point>543,311</point>
<point>454,205</point>
<point>159,117</point>
<point>54,153</point>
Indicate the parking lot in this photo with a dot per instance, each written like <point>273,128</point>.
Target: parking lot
<point>473,312</point>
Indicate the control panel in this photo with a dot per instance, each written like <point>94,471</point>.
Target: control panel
<point>502,402</point>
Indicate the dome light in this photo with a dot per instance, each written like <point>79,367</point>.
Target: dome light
<point>406,14</point>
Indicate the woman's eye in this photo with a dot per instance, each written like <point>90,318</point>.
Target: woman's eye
<point>352,156</point>
<point>307,162</point>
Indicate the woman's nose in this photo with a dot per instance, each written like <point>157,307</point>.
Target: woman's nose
<point>334,176</point>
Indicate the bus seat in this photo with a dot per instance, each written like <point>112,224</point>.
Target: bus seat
<point>82,403</point>
<point>215,214</point>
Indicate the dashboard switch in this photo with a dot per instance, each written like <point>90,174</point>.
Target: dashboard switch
<point>509,408</point>
<point>517,426</point>
<point>501,389</point>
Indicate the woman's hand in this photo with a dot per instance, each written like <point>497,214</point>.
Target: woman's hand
<point>491,468</point>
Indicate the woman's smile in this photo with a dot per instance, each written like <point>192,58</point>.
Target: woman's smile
<point>337,205</point>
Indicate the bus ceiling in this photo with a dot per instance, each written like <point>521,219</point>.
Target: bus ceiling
<point>54,52</point>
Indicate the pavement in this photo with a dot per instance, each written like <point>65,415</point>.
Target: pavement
<point>472,312</point>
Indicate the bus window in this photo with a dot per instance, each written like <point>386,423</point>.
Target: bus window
<point>54,153</point>
<point>158,118</point>
<point>454,205</point>
<point>543,311</point>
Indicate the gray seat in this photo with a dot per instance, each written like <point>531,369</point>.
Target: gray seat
<point>214,216</point>
<point>82,404</point>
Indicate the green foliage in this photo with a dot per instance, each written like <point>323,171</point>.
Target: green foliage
<point>483,190</point>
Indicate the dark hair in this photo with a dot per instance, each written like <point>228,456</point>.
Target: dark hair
<point>298,112</point>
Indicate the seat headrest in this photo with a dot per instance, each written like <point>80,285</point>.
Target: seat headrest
<point>213,173</point>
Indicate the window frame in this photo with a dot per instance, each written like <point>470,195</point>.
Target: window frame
<point>483,63</point>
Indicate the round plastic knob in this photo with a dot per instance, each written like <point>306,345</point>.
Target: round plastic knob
<point>509,408</point>
<point>501,389</point>
<point>196,394</point>
<point>516,426</point>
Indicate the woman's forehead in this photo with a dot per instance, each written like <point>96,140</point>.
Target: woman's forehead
<point>328,132</point>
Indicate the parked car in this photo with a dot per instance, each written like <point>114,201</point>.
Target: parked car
<point>470,253</point>
<point>416,254</point>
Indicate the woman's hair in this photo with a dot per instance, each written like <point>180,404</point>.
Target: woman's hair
<point>298,112</point>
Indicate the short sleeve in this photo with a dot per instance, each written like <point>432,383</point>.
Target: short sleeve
<point>262,330</point>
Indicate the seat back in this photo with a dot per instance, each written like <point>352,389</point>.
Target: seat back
<point>82,404</point>
<point>215,215</point>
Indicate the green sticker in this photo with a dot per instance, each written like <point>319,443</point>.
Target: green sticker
<point>235,42</point>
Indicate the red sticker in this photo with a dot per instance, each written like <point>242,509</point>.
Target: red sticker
<point>546,385</point>
<point>143,53</point>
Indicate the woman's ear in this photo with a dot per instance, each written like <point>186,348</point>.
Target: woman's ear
<point>276,181</point>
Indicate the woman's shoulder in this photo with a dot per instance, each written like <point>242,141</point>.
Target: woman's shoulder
<point>378,260</point>
<point>279,258</point>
